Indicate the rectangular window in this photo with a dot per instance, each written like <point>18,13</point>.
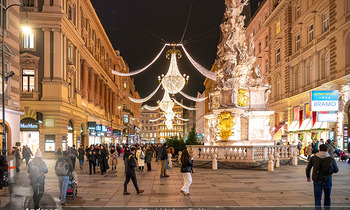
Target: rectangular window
<point>28,81</point>
<point>28,3</point>
<point>278,27</point>
<point>278,55</point>
<point>325,20</point>
<point>266,41</point>
<point>70,52</point>
<point>310,32</point>
<point>297,42</point>
<point>28,41</point>
<point>259,47</point>
<point>297,11</point>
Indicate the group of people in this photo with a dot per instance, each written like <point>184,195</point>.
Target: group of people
<point>314,147</point>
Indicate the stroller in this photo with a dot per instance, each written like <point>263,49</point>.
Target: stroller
<point>343,156</point>
<point>72,189</point>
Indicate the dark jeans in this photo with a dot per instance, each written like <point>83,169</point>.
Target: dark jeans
<point>133,179</point>
<point>73,161</point>
<point>17,165</point>
<point>38,192</point>
<point>27,160</point>
<point>92,164</point>
<point>149,167</point>
<point>318,188</point>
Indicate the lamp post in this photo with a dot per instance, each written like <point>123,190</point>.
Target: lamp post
<point>3,76</point>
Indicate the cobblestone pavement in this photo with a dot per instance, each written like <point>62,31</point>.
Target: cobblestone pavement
<point>286,186</point>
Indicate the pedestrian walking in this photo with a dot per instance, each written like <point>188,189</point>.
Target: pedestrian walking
<point>163,160</point>
<point>140,156</point>
<point>103,153</point>
<point>113,154</point>
<point>37,169</point>
<point>313,147</point>
<point>309,151</point>
<point>148,158</point>
<point>130,165</point>
<point>323,167</point>
<point>17,156</point>
<point>92,159</point>
<point>59,152</point>
<point>28,154</point>
<point>73,154</point>
<point>170,156</point>
<point>331,147</point>
<point>81,157</point>
<point>24,150</point>
<point>186,169</point>
<point>63,169</point>
<point>299,146</point>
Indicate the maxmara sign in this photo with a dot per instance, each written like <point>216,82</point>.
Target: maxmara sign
<point>324,100</point>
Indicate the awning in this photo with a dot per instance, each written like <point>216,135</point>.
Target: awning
<point>277,128</point>
<point>294,126</point>
<point>278,135</point>
<point>306,125</point>
<point>320,125</point>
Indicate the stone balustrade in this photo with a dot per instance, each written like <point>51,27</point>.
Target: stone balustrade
<point>241,153</point>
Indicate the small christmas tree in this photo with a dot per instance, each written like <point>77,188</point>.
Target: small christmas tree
<point>192,137</point>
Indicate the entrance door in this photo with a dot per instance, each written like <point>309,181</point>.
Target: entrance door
<point>70,139</point>
<point>30,138</point>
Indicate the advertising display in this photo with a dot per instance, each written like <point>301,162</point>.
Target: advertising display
<point>296,113</point>
<point>308,113</point>
<point>330,116</point>
<point>49,143</point>
<point>324,100</point>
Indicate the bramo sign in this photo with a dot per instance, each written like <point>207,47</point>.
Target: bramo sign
<point>324,100</point>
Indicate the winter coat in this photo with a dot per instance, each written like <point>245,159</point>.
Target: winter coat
<point>67,159</point>
<point>91,156</point>
<point>129,163</point>
<point>113,157</point>
<point>187,167</point>
<point>315,163</point>
<point>38,162</point>
<point>331,149</point>
<point>3,169</point>
<point>103,160</point>
<point>140,162</point>
<point>81,152</point>
<point>163,153</point>
<point>149,154</point>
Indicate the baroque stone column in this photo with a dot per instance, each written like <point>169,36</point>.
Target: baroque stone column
<point>47,50</point>
<point>84,78</point>
<point>91,85</point>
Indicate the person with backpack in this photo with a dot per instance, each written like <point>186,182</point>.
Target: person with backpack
<point>130,165</point>
<point>37,169</point>
<point>323,167</point>
<point>73,154</point>
<point>59,152</point>
<point>186,169</point>
<point>63,169</point>
<point>163,159</point>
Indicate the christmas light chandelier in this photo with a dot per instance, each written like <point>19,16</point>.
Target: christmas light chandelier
<point>166,104</point>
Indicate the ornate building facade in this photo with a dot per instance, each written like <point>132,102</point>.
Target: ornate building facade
<point>309,48</point>
<point>67,87</point>
<point>149,128</point>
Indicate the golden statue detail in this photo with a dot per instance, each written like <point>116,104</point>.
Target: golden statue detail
<point>242,99</point>
<point>225,125</point>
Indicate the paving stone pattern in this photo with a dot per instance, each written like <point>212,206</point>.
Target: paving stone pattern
<point>286,186</point>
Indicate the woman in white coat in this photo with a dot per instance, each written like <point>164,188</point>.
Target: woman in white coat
<point>140,155</point>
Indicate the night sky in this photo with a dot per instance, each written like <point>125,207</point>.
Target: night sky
<point>139,29</point>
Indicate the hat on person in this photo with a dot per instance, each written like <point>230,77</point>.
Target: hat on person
<point>38,154</point>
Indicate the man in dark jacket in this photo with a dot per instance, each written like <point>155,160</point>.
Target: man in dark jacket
<point>130,165</point>
<point>3,169</point>
<point>73,154</point>
<point>17,156</point>
<point>81,152</point>
<point>92,159</point>
<point>163,160</point>
<point>322,180</point>
<point>28,154</point>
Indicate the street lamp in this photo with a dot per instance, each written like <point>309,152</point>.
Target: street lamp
<point>4,77</point>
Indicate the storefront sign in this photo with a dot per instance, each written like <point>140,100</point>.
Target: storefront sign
<point>330,116</point>
<point>99,127</point>
<point>326,100</point>
<point>29,124</point>
<point>104,129</point>
<point>125,118</point>
<point>109,130</point>
<point>91,125</point>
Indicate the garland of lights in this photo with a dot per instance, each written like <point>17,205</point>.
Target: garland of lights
<point>201,69</point>
<point>140,70</point>
<point>183,106</point>
<point>150,108</point>
<point>181,119</point>
<point>139,101</point>
<point>192,98</point>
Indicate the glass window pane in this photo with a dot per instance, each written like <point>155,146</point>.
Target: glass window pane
<point>31,84</point>
<point>25,84</point>
<point>28,72</point>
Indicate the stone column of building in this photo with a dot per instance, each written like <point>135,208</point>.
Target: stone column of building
<point>111,97</point>
<point>57,54</point>
<point>96,90</point>
<point>64,52</point>
<point>78,72</point>
<point>47,50</point>
<point>91,85</point>
<point>84,79</point>
<point>107,99</point>
<point>103,90</point>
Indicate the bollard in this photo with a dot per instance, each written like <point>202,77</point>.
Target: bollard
<point>277,158</point>
<point>214,161</point>
<point>12,170</point>
<point>270,163</point>
<point>295,158</point>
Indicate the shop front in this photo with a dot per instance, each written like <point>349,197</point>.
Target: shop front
<point>30,133</point>
<point>70,133</point>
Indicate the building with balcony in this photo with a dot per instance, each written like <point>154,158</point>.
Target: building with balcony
<point>12,29</point>
<point>65,75</point>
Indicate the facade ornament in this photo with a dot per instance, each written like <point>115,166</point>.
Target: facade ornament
<point>242,99</point>
<point>225,125</point>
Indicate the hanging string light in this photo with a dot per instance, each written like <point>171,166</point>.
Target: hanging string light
<point>150,108</point>
<point>139,101</point>
<point>140,70</point>
<point>193,98</point>
<point>166,104</point>
<point>183,106</point>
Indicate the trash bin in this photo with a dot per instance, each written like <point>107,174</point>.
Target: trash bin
<point>11,161</point>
